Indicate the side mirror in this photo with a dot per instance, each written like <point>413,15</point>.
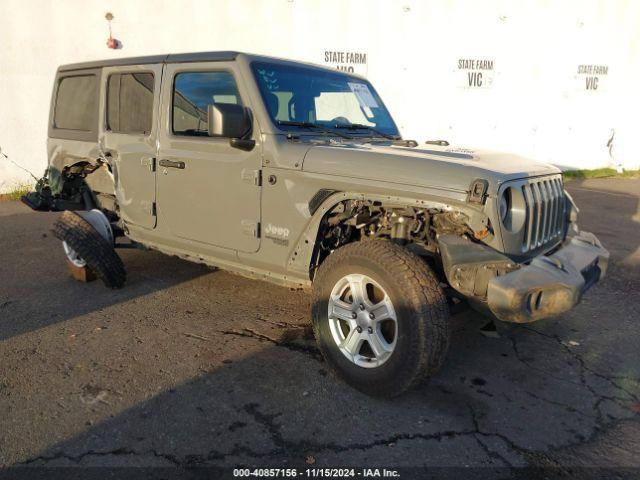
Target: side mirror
<point>228,120</point>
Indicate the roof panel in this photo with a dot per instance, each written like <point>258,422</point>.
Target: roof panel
<point>167,58</point>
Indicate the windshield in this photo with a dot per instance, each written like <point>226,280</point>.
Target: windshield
<point>298,96</point>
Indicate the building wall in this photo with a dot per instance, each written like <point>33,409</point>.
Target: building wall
<point>552,80</point>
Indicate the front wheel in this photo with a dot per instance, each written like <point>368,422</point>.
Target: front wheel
<point>380,317</point>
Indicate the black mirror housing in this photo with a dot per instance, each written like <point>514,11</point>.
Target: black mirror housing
<point>228,120</point>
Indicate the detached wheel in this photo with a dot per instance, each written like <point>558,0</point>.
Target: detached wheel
<point>72,256</point>
<point>90,249</point>
<point>380,317</point>
<point>77,266</point>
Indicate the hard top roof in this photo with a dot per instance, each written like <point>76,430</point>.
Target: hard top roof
<point>166,58</point>
<point>221,56</point>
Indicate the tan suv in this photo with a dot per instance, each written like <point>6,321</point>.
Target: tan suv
<point>297,174</point>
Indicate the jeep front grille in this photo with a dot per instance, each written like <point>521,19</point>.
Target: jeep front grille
<point>545,212</point>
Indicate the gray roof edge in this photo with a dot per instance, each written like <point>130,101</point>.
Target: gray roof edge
<point>220,56</point>
<point>167,58</point>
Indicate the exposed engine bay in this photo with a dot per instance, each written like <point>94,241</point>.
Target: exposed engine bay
<point>417,228</point>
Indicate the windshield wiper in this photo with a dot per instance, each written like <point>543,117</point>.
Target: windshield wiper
<point>313,126</point>
<point>298,124</point>
<point>360,126</point>
<point>395,139</point>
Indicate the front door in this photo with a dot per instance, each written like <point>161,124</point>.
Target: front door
<point>208,191</point>
<point>129,140</point>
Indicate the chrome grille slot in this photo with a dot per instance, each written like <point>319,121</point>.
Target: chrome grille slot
<point>537,198</point>
<point>554,208</point>
<point>545,212</point>
<point>561,208</point>
<point>551,207</point>
<point>528,224</point>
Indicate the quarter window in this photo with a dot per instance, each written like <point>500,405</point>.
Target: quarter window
<point>193,92</point>
<point>75,107</point>
<point>130,103</point>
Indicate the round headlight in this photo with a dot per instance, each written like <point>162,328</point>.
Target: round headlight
<point>512,209</point>
<point>505,204</point>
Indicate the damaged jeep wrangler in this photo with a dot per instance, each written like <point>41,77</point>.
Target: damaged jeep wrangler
<point>296,174</point>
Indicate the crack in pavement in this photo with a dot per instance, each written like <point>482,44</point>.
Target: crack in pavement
<point>91,453</point>
<point>581,361</point>
<point>296,449</point>
<point>285,343</point>
<point>601,424</point>
<point>514,346</point>
<point>282,324</point>
<point>568,407</point>
<point>491,453</point>
<point>581,374</point>
<point>299,449</point>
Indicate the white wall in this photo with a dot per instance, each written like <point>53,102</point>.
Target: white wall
<point>536,104</point>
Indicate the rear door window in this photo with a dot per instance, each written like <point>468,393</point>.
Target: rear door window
<point>76,100</point>
<point>130,103</point>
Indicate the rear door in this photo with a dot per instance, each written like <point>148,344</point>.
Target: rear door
<point>131,114</point>
<point>208,191</point>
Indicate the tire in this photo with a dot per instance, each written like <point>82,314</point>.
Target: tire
<point>422,331</point>
<point>98,254</point>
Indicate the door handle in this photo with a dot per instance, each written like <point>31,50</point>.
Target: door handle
<point>171,164</point>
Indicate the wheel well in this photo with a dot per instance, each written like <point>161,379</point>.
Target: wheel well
<point>72,187</point>
<point>413,226</point>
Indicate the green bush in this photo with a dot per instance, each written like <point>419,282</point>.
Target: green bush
<point>17,191</point>
<point>600,173</point>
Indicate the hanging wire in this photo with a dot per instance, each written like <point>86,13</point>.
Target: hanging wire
<point>18,165</point>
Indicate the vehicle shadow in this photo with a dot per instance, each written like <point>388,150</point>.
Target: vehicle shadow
<point>276,404</point>
<point>37,290</point>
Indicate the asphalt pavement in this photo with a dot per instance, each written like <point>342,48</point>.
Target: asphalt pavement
<point>192,366</point>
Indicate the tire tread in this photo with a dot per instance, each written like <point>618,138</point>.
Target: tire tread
<point>100,256</point>
<point>424,295</point>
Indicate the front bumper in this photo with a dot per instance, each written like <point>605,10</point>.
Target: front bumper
<point>549,285</point>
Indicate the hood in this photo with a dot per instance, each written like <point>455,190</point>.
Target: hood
<point>438,167</point>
